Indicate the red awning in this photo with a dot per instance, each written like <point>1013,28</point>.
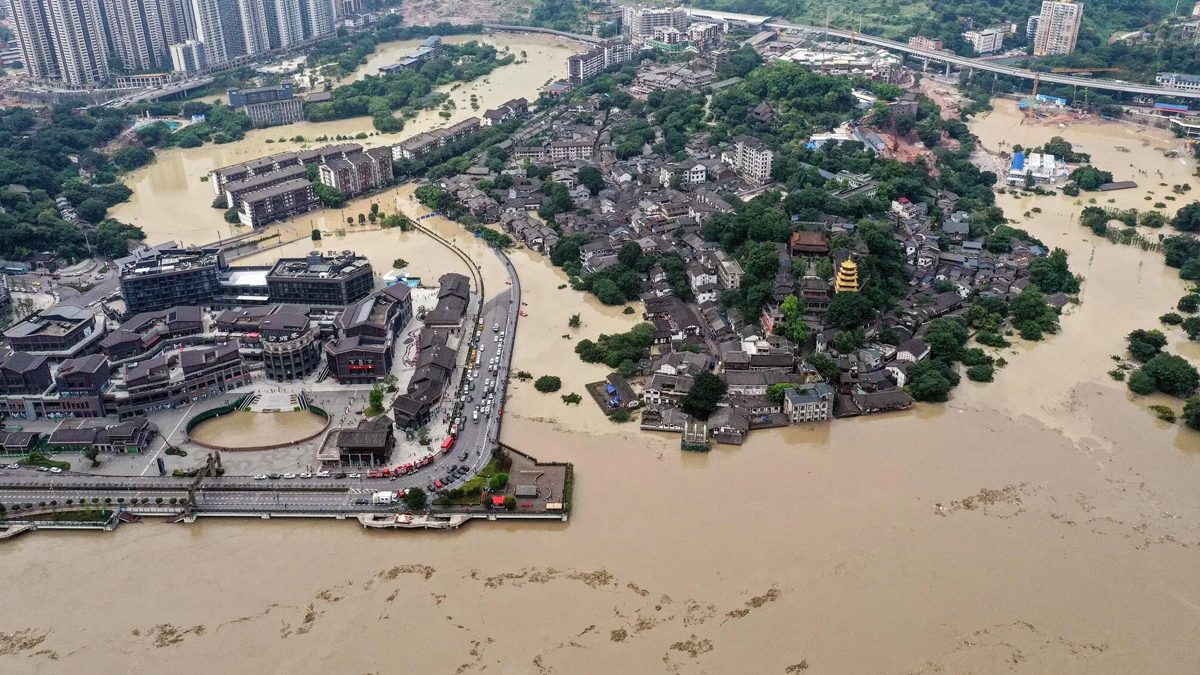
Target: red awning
<point>497,500</point>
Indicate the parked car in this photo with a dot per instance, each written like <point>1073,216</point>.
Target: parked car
<point>356,475</point>
<point>261,476</point>
<point>339,475</point>
<point>306,475</point>
<point>55,469</point>
<point>361,502</point>
<point>14,465</point>
<point>463,457</point>
<point>289,476</point>
<point>274,476</point>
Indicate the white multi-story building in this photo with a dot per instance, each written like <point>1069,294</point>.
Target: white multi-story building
<point>582,67</point>
<point>1031,27</point>
<point>219,27</point>
<point>62,40</point>
<point>35,39</point>
<point>79,41</point>
<point>1178,81</point>
<point>141,32</point>
<point>922,42</point>
<point>1058,27</point>
<point>253,15</point>
<point>318,16</point>
<point>639,21</point>
<point>188,57</point>
<point>752,159</point>
<point>285,23</point>
<point>986,41</point>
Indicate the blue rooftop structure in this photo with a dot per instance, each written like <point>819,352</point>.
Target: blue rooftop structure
<point>1018,161</point>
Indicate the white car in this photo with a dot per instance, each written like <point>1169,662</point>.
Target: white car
<point>495,338</point>
<point>306,475</point>
<point>355,475</point>
<point>289,476</point>
<point>14,465</point>
<point>323,474</point>
<point>261,476</point>
<point>55,469</point>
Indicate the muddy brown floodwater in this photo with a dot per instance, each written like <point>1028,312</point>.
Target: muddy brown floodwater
<point>245,429</point>
<point>1041,524</point>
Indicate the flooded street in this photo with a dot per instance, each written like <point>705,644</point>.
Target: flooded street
<point>1039,524</point>
<point>245,429</point>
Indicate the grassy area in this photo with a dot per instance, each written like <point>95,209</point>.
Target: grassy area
<point>38,459</point>
<point>84,516</point>
<point>469,493</point>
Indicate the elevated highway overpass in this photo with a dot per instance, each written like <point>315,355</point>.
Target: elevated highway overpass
<point>989,66</point>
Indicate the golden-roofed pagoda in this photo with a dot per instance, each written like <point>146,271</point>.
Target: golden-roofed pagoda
<point>847,278</point>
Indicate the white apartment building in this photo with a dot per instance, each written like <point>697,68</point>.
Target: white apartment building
<point>987,41</point>
<point>1058,27</point>
<point>141,32</point>
<point>319,17</point>
<point>34,38</point>
<point>582,67</point>
<point>188,57</point>
<point>79,41</point>
<point>639,21</point>
<point>752,159</point>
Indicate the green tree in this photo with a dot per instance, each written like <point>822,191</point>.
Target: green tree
<point>627,368</point>
<point>931,380</point>
<point>591,178</point>
<point>847,310</point>
<point>1189,303</point>
<point>981,373</point>
<point>510,503</point>
<point>415,498</point>
<point>1145,344</point>
<point>399,263</point>
<point>701,400</point>
<point>776,392</point>
<point>827,367</point>
<point>376,397</point>
<point>1187,219</point>
<point>1191,412</point>
<point>547,384</point>
<point>498,482</point>
<point>945,338</point>
<point>1172,374</point>
<point>1141,383</point>
<point>574,321</point>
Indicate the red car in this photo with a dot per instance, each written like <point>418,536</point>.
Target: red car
<point>373,474</point>
<point>437,484</point>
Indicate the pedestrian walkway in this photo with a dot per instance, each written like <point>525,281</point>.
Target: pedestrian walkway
<point>274,401</point>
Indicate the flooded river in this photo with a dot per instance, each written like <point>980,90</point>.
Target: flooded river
<point>245,429</point>
<point>1040,524</point>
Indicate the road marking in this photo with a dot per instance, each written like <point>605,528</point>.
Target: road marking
<point>167,439</point>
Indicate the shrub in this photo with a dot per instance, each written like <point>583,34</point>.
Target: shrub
<point>510,503</point>
<point>1117,374</point>
<point>1030,330</point>
<point>991,339</point>
<point>1141,383</point>
<point>1189,303</point>
<point>547,384</point>
<point>1164,412</point>
<point>1171,319</point>
<point>627,310</point>
<point>980,373</point>
<point>1191,412</point>
<point>523,376</point>
<point>572,398</point>
<point>621,416</point>
<point>498,482</point>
